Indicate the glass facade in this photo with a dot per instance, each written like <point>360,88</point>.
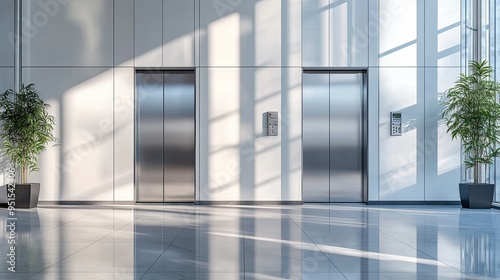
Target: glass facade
<point>489,44</point>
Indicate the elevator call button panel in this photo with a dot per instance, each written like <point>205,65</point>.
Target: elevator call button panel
<point>272,123</point>
<point>396,124</point>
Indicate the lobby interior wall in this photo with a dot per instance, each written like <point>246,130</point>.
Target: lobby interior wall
<point>419,58</point>
<point>68,53</point>
<point>82,55</point>
<point>412,50</point>
<point>249,63</point>
<point>249,56</point>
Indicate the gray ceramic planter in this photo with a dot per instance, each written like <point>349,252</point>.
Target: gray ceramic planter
<point>26,195</point>
<point>476,196</point>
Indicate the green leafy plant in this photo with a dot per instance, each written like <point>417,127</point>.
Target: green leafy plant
<point>26,128</point>
<point>471,112</point>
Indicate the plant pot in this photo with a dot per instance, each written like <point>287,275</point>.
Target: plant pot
<point>476,196</point>
<point>3,196</point>
<point>26,195</point>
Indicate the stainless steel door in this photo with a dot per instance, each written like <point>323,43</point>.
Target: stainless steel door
<point>165,136</point>
<point>332,138</point>
<point>179,138</point>
<point>149,140</point>
<point>316,137</point>
<point>346,147</point>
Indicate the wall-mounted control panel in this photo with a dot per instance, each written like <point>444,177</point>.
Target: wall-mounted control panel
<point>272,123</point>
<point>396,124</point>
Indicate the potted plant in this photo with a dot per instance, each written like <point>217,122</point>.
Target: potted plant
<point>26,129</point>
<point>471,112</point>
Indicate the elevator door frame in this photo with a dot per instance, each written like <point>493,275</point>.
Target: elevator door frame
<point>364,125</point>
<point>136,120</point>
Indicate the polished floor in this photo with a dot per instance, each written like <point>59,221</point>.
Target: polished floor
<point>253,242</point>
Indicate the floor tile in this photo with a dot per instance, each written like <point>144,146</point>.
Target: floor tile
<point>311,241</point>
<point>294,276</point>
<point>193,276</point>
<point>406,276</point>
<point>15,275</point>
<point>83,276</point>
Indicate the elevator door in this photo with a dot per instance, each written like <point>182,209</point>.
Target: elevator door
<point>333,128</point>
<point>165,136</point>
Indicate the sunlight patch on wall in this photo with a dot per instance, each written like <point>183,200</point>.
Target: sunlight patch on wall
<point>224,41</point>
<point>398,168</point>
<point>224,133</point>
<point>49,159</point>
<point>267,162</point>
<point>179,51</point>
<point>267,30</point>
<point>341,49</point>
<point>398,32</point>
<point>146,59</point>
<point>87,133</point>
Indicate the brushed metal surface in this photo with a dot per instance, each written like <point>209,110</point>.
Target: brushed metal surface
<point>149,136</point>
<point>179,136</point>
<point>332,137</point>
<point>315,137</point>
<point>165,136</point>
<point>346,145</point>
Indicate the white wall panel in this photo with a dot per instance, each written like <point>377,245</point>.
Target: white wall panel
<point>401,40</point>
<point>220,43</point>
<point>442,155</point>
<point>262,93</point>
<point>442,33</point>
<point>240,33</point>
<point>373,102</point>
<point>242,163</point>
<point>373,33</point>
<point>315,33</point>
<point>123,153</point>
<point>450,33</point>
<point>267,35</point>
<point>373,134</point>
<point>124,33</point>
<point>349,38</point>
<point>401,160</point>
<point>291,134</point>
<point>197,34</point>
<point>74,33</point>
<point>82,101</point>
<point>219,101</point>
<point>178,33</point>
<point>291,33</point>
<point>148,33</point>
<point>7,33</point>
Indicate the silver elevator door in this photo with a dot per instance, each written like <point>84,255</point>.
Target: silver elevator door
<point>165,136</point>
<point>333,136</point>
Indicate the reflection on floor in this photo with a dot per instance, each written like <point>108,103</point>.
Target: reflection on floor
<point>253,242</point>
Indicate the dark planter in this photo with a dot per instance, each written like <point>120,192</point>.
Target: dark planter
<point>26,195</point>
<point>476,196</point>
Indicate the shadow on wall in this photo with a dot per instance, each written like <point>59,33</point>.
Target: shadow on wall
<point>65,54</point>
<point>424,163</point>
<point>70,58</point>
<point>241,164</point>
